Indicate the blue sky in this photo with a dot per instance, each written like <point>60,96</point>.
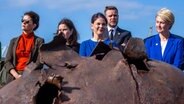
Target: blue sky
<point>135,15</point>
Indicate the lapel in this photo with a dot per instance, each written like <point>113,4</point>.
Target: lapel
<point>168,46</point>
<point>14,48</point>
<point>157,47</point>
<point>117,33</point>
<point>33,51</point>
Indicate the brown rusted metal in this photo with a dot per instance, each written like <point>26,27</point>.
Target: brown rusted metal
<point>114,80</point>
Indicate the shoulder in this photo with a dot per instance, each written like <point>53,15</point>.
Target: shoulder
<point>106,40</point>
<point>87,41</point>
<point>176,37</point>
<point>77,44</point>
<point>39,38</point>
<point>151,38</point>
<point>14,39</point>
<point>122,30</point>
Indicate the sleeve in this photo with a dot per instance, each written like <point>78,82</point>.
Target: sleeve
<point>9,64</point>
<point>82,51</point>
<point>39,64</point>
<point>179,57</point>
<point>147,45</point>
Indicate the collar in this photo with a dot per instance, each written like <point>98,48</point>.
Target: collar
<point>98,40</point>
<point>30,35</point>
<point>109,28</point>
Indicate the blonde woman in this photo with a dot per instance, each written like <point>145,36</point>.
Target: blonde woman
<point>165,46</point>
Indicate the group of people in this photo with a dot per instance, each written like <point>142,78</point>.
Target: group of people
<point>164,46</point>
<point>104,28</point>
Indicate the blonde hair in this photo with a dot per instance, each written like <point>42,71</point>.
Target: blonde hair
<point>166,15</point>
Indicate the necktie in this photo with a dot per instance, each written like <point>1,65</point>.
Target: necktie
<point>111,34</point>
<point>111,38</point>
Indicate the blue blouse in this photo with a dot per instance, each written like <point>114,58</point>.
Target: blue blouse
<point>87,46</point>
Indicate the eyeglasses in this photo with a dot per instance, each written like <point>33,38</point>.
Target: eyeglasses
<point>25,21</point>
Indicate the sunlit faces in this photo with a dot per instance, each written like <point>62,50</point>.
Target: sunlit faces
<point>27,24</point>
<point>161,25</point>
<point>99,26</point>
<point>65,30</point>
<point>112,17</point>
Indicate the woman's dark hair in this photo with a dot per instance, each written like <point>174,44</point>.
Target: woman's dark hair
<point>35,18</point>
<point>98,15</point>
<point>74,36</point>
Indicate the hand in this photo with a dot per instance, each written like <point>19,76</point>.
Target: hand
<point>15,74</point>
<point>18,76</point>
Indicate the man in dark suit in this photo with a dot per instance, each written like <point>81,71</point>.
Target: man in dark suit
<point>116,34</point>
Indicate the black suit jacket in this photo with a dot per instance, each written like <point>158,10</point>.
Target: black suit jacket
<point>121,36</point>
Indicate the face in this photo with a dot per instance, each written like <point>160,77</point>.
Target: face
<point>27,24</point>
<point>161,25</point>
<point>99,26</point>
<point>65,30</point>
<point>112,17</point>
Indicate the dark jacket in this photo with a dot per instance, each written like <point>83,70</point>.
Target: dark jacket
<point>121,37</point>
<point>75,47</point>
<point>10,60</point>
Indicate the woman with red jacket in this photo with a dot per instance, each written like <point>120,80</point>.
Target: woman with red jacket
<point>25,48</point>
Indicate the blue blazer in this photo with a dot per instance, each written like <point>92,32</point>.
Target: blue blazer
<point>174,51</point>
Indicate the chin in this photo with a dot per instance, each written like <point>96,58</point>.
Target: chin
<point>159,31</point>
<point>114,25</point>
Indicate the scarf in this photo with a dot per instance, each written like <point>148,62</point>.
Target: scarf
<point>23,50</point>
